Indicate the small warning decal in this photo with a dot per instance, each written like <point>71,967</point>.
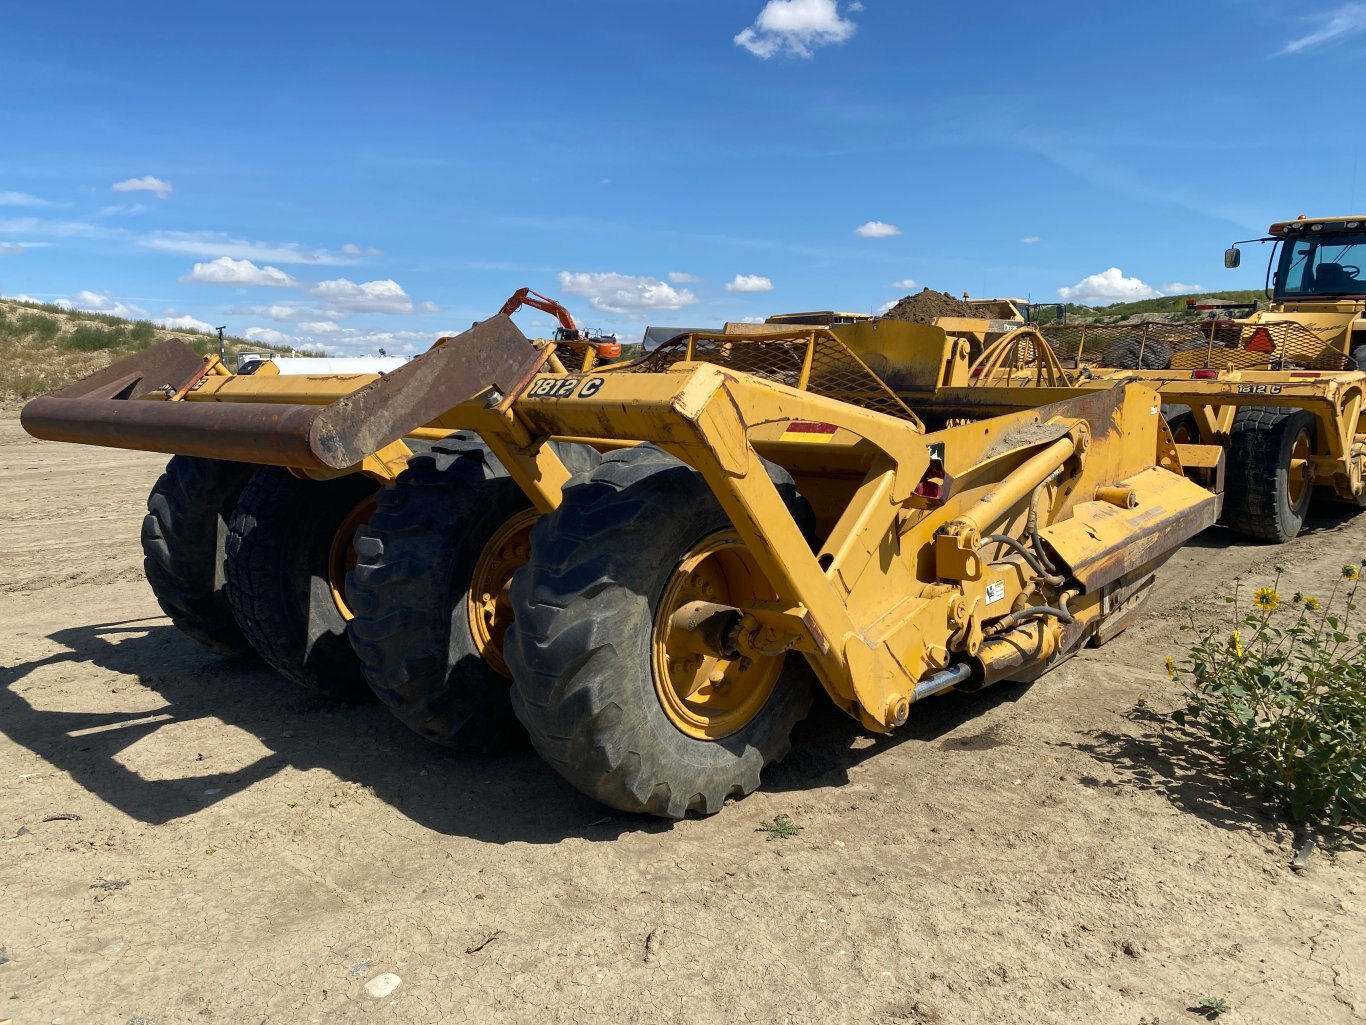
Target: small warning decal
<point>809,431</point>
<point>996,591</point>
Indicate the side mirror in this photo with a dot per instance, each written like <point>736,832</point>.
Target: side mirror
<point>1233,257</point>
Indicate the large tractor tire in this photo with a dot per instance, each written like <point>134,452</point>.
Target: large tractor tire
<point>184,545</point>
<point>429,590</point>
<point>289,549</point>
<point>610,692</point>
<point>1127,353</point>
<point>1269,480</point>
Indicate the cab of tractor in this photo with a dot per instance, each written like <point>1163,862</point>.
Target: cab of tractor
<point>1315,279</point>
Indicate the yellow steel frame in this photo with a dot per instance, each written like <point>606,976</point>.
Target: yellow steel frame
<point>904,583</point>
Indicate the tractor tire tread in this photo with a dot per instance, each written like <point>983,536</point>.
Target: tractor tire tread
<point>183,537</point>
<point>573,646</point>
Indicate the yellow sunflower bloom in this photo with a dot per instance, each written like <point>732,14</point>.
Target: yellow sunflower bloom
<point>1266,599</point>
<point>1171,668</point>
<point>1236,642</point>
<point>1350,571</point>
<point>1311,603</point>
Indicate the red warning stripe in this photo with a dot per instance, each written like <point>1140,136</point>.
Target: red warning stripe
<point>808,432</point>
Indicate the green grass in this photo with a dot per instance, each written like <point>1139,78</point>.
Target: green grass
<point>33,325</point>
<point>1211,1007</point>
<point>781,828</point>
<point>92,338</point>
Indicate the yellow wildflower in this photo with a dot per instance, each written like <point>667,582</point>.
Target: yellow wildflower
<point>1311,603</point>
<point>1350,571</point>
<point>1171,668</point>
<point>1236,641</point>
<point>1266,599</point>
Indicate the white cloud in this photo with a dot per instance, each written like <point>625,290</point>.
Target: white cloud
<point>11,248</point>
<point>22,298</point>
<point>679,278</point>
<point>907,283</point>
<point>227,271</point>
<point>351,249</point>
<point>215,244</point>
<point>427,306</point>
<point>1029,240</point>
<point>283,311</point>
<point>623,293</point>
<point>98,302</point>
<point>749,283</point>
<point>877,229</point>
<point>184,322</point>
<point>1109,286</point>
<point>797,27</point>
<point>335,338</point>
<point>21,199</point>
<point>1348,20</point>
<point>367,296</point>
<point>159,187</point>
<point>28,227</point>
<point>1180,288</point>
<point>267,336</point>
<point>887,306</point>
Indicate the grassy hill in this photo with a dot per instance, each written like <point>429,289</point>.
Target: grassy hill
<point>1164,305</point>
<point>43,347</point>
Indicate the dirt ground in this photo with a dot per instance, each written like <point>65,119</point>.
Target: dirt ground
<point>187,840</point>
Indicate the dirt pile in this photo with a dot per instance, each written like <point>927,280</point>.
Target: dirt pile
<point>927,304</point>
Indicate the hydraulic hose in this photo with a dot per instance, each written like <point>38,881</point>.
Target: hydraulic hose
<point>1033,612</point>
<point>1035,561</point>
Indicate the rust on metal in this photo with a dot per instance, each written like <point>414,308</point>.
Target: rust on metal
<point>169,364</point>
<point>98,409</point>
<point>275,435</point>
<point>492,354</point>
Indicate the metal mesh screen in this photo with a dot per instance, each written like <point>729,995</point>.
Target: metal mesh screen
<point>835,372</point>
<point>1210,344</point>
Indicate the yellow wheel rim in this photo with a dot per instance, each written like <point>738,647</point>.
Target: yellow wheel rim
<point>341,557</point>
<point>1299,477</point>
<point>704,696</point>
<point>487,605</point>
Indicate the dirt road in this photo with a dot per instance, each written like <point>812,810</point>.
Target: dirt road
<point>185,840</point>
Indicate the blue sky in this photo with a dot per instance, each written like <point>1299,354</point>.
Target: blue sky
<point>357,175</point>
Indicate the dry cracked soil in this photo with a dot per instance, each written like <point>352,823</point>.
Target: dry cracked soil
<point>189,840</point>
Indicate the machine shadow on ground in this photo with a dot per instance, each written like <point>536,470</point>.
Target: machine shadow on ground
<point>1184,767</point>
<point>1325,517</point>
<point>496,799</point>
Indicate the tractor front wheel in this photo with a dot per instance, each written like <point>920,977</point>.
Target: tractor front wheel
<point>609,678</point>
<point>1270,476</point>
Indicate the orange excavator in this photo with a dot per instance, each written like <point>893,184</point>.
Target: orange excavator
<point>605,347</point>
